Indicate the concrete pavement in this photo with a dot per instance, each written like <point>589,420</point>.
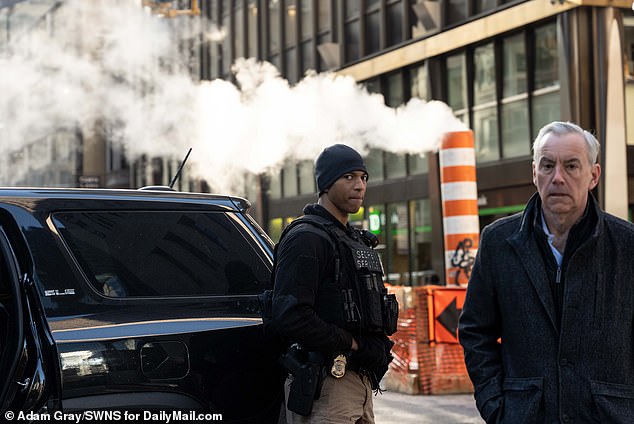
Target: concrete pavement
<point>398,408</point>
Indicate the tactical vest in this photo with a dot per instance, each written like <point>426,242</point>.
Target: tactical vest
<point>356,299</point>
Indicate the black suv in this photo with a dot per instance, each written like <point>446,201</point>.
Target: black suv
<point>133,300</point>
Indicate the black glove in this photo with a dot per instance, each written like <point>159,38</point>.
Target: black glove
<point>374,355</point>
<point>374,351</point>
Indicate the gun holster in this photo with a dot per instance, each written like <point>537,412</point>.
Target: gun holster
<point>308,374</point>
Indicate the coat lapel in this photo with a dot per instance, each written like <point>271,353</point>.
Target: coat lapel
<point>527,250</point>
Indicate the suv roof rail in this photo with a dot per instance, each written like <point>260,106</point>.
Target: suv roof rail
<point>157,187</point>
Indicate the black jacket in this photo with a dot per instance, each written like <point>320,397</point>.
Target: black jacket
<point>305,265</point>
<point>577,368</point>
<point>305,287</point>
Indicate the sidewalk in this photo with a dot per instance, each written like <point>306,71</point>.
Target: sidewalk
<point>398,408</point>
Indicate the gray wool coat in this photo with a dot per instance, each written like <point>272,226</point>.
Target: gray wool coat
<point>580,371</point>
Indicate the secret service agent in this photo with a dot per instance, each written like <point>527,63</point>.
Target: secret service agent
<point>329,297</point>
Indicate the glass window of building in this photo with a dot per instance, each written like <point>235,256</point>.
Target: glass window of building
<point>329,51</point>
<point>351,9</point>
<point>397,259</point>
<point>306,177</point>
<point>213,26</point>
<point>480,6</point>
<point>290,23</point>
<point>352,41</point>
<point>324,15</point>
<point>276,61</point>
<point>252,29</point>
<point>419,79</point>
<point>374,164</point>
<point>457,86</point>
<point>546,58</point>
<point>546,96</point>
<point>290,58</point>
<point>274,26</point>
<point>514,110</point>
<point>372,31</point>
<point>306,19</point>
<point>484,74</point>
<point>395,95</point>
<point>289,179</point>
<point>308,61</point>
<point>275,185</point>
<point>377,226</point>
<point>417,164</point>
<point>514,65</point>
<point>205,43</point>
<point>456,11</point>
<point>275,229</point>
<point>226,42</point>
<point>485,118</point>
<point>395,165</point>
<point>239,36</point>
<point>421,256</point>
<point>394,19</point>
<point>425,17</point>
<point>372,4</point>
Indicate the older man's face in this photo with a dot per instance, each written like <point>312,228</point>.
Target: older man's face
<point>563,175</point>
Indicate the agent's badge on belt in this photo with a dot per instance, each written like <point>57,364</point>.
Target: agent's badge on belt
<point>338,369</point>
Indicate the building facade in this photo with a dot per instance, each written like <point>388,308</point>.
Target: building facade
<point>504,67</point>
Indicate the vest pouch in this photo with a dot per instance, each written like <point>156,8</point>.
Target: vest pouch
<point>390,313</point>
<point>350,309</point>
<point>371,313</point>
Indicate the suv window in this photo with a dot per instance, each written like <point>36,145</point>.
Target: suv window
<point>127,254</point>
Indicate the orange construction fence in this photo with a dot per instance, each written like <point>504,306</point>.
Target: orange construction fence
<point>427,356</point>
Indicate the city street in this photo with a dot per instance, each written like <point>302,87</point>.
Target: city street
<point>189,188</point>
<point>398,408</point>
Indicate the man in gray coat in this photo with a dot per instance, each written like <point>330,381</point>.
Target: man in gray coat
<point>548,322</point>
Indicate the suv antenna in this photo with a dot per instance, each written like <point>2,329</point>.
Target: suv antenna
<point>180,168</point>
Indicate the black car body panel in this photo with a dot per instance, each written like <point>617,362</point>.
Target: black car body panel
<point>135,300</point>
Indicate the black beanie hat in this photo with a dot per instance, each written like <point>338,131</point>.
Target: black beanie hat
<point>335,161</point>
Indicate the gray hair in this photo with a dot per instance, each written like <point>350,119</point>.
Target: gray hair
<point>562,128</point>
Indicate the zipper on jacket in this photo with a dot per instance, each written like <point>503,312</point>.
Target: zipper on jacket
<point>558,277</point>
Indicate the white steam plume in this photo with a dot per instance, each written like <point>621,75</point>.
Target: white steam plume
<point>111,63</point>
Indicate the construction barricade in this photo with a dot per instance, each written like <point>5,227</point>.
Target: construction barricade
<point>427,356</point>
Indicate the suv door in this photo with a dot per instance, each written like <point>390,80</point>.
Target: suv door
<point>25,386</point>
<point>165,314</point>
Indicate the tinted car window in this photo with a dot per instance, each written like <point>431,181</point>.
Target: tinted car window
<point>128,254</point>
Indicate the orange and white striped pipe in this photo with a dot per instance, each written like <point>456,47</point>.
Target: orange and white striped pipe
<point>459,195</point>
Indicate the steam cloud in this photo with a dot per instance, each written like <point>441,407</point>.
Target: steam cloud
<point>112,66</point>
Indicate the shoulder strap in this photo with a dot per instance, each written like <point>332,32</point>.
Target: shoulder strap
<point>317,221</point>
